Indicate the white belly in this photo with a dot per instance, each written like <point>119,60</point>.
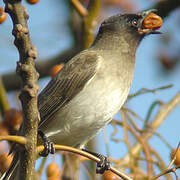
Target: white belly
<point>86,114</point>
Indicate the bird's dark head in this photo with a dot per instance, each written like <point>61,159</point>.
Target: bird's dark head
<point>143,23</point>
<point>131,26</point>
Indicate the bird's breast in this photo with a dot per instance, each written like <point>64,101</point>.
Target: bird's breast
<point>90,110</point>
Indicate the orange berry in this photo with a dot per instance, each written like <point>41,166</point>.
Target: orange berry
<point>177,160</point>
<point>53,170</point>
<point>2,146</point>
<point>55,69</point>
<point>3,15</point>
<point>3,129</point>
<point>13,118</point>
<point>152,21</point>
<point>112,2</point>
<point>5,162</point>
<point>53,178</point>
<point>32,1</point>
<point>108,175</point>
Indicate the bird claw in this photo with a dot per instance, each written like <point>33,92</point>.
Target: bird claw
<point>103,165</point>
<point>48,145</point>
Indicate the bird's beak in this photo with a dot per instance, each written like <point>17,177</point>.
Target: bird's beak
<point>150,22</point>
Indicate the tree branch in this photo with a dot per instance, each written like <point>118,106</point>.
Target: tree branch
<point>79,7</point>
<point>18,139</point>
<point>89,25</point>
<point>22,140</point>
<point>166,171</point>
<point>42,66</point>
<point>29,76</point>
<point>87,155</point>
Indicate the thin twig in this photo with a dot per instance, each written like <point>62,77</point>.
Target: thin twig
<point>174,158</point>
<point>145,91</point>
<point>23,141</point>
<point>163,112</point>
<point>41,168</point>
<point>113,123</point>
<point>79,7</point>
<point>144,146</point>
<point>153,105</point>
<point>161,164</point>
<point>133,123</point>
<point>3,98</point>
<point>85,154</point>
<point>146,150</point>
<point>133,113</point>
<point>18,139</point>
<point>163,139</point>
<point>166,172</point>
<point>126,139</point>
<point>90,176</point>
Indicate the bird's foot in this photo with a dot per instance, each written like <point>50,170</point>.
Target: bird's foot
<point>103,165</point>
<point>48,145</point>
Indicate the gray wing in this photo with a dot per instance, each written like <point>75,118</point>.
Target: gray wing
<point>67,84</point>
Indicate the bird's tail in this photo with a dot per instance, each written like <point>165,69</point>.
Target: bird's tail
<point>10,174</point>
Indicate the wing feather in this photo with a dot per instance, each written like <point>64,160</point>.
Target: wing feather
<point>67,84</point>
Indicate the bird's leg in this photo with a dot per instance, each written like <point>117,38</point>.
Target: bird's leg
<point>48,145</point>
<point>104,163</point>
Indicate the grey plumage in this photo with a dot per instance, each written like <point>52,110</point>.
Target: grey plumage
<point>92,87</point>
<point>98,99</point>
<point>85,95</point>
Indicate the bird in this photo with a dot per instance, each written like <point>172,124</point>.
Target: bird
<point>91,88</point>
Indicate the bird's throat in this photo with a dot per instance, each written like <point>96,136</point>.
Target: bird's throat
<point>124,43</point>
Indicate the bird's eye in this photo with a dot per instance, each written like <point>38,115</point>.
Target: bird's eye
<point>134,22</point>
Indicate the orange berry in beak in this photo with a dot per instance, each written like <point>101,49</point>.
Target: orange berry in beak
<point>152,21</point>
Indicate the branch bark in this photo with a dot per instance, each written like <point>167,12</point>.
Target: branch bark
<point>89,25</point>
<point>29,76</point>
<point>43,66</point>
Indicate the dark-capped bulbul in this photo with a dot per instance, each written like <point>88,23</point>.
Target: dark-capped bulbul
<point>90,89</point>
